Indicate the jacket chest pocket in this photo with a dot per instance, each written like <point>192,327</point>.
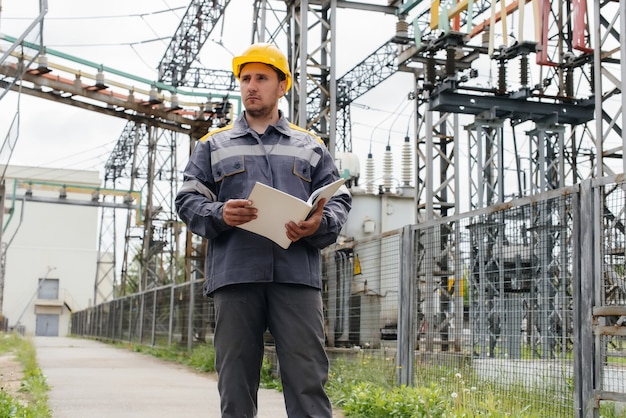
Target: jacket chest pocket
<point>228,167</point>
<point>231,179</point>
<point>302,169</point>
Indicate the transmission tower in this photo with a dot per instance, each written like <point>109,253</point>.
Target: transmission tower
<point>146,158</point>
<point>556,111</point>
<point>553,86</point>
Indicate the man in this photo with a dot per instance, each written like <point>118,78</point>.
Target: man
<point>257,285</point>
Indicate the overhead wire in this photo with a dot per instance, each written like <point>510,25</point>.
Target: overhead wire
<point>393,123</point>
<point>96,161</point>
<point>163,40</point>
<point>395,111</point>
<point>133,45</point>
<point>96,157</point>
<point>98,17</point>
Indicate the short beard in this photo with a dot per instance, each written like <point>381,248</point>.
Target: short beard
<point>263,112</point>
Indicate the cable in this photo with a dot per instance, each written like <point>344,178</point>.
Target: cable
<point>107,44</point>
<point>97,163</point>
<point>394,121</point>
<point>141,15</point>
<point>384,120</point>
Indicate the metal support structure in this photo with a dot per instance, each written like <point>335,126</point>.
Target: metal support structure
<point>156,165</point>
<point>128,283</point>
<point>609,83</point>
<point>440,55</point>
<point>323,112</point>
<point>156,169</point>
<point>35,29</point>
<point>313,66</point>
<point>3,249</point>
<point>486,167</point>
<point>105,284</point>
<point>373,70</point>
<point>551,276</point>
<point>609,22</point>
<point>271,22</point>
<point>487,259</point>
<point>437,140</point>
<point>195,246</point>
<point>194,30</point>
<point>547,158</point>
<point>116,168</point>
<point>441,58</point>
<point>486,284</point>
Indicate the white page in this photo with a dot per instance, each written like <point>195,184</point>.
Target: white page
<point>277,208</point>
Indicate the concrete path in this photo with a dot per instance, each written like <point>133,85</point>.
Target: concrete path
<point>89,379</point>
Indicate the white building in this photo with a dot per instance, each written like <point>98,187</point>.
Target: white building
<point>51,248</point>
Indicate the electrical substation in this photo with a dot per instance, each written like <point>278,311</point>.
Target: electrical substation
<point>463,252</point>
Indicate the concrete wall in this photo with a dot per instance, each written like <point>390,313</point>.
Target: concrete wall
<point>51,241</point>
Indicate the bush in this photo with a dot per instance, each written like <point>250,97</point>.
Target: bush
<point>367,400</point>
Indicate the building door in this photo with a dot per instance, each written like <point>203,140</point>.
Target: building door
<point>47,325</point>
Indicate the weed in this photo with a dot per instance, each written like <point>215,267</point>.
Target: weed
<point>34,402</point>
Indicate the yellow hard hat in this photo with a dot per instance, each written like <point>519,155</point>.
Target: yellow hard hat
<point>266,54</point>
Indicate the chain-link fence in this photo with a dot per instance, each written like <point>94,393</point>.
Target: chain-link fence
<point>162,317</point>
<point>479,302</point>
<point>608,291</point>
<point>524,301</point>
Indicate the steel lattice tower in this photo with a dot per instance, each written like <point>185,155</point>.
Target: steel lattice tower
<point>150,165</point>
<point>558,83</point>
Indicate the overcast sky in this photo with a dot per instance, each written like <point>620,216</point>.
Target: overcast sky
<point>132,36</point>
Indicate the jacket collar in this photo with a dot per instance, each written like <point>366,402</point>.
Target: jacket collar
<point>241,127</point>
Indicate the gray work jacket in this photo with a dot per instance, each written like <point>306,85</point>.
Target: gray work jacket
<point>225,164</point>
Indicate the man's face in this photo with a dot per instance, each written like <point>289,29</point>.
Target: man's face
<point>260,89</point>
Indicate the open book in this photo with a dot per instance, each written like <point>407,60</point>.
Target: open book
<point>276,208</point>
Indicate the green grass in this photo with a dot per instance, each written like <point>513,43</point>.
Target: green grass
<point>32,401</point>
<point>200,358</point>
<point>364,387</point>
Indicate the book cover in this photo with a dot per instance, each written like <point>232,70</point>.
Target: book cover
<point>276,208</point>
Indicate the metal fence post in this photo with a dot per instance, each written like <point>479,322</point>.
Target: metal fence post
<point>154,317</point>
<point>120,322</point>
<point>583,251</point>
<point>192,297</point>
<point>170,325</point>
<point>130,319</point>
<point>405,310</point>
<point>142,313</point>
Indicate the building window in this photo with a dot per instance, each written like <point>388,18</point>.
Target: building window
<point>48,289</point>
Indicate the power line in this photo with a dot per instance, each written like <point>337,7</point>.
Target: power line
<point>100,17</point>
<point>107,44</point>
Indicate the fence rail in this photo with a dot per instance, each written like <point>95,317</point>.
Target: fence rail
<point>526,299</point>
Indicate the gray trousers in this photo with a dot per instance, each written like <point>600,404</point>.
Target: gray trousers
<point>293,314</point>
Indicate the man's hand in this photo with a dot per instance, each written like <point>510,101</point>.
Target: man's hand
<point>308,227</point>
<point>238,211</point>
